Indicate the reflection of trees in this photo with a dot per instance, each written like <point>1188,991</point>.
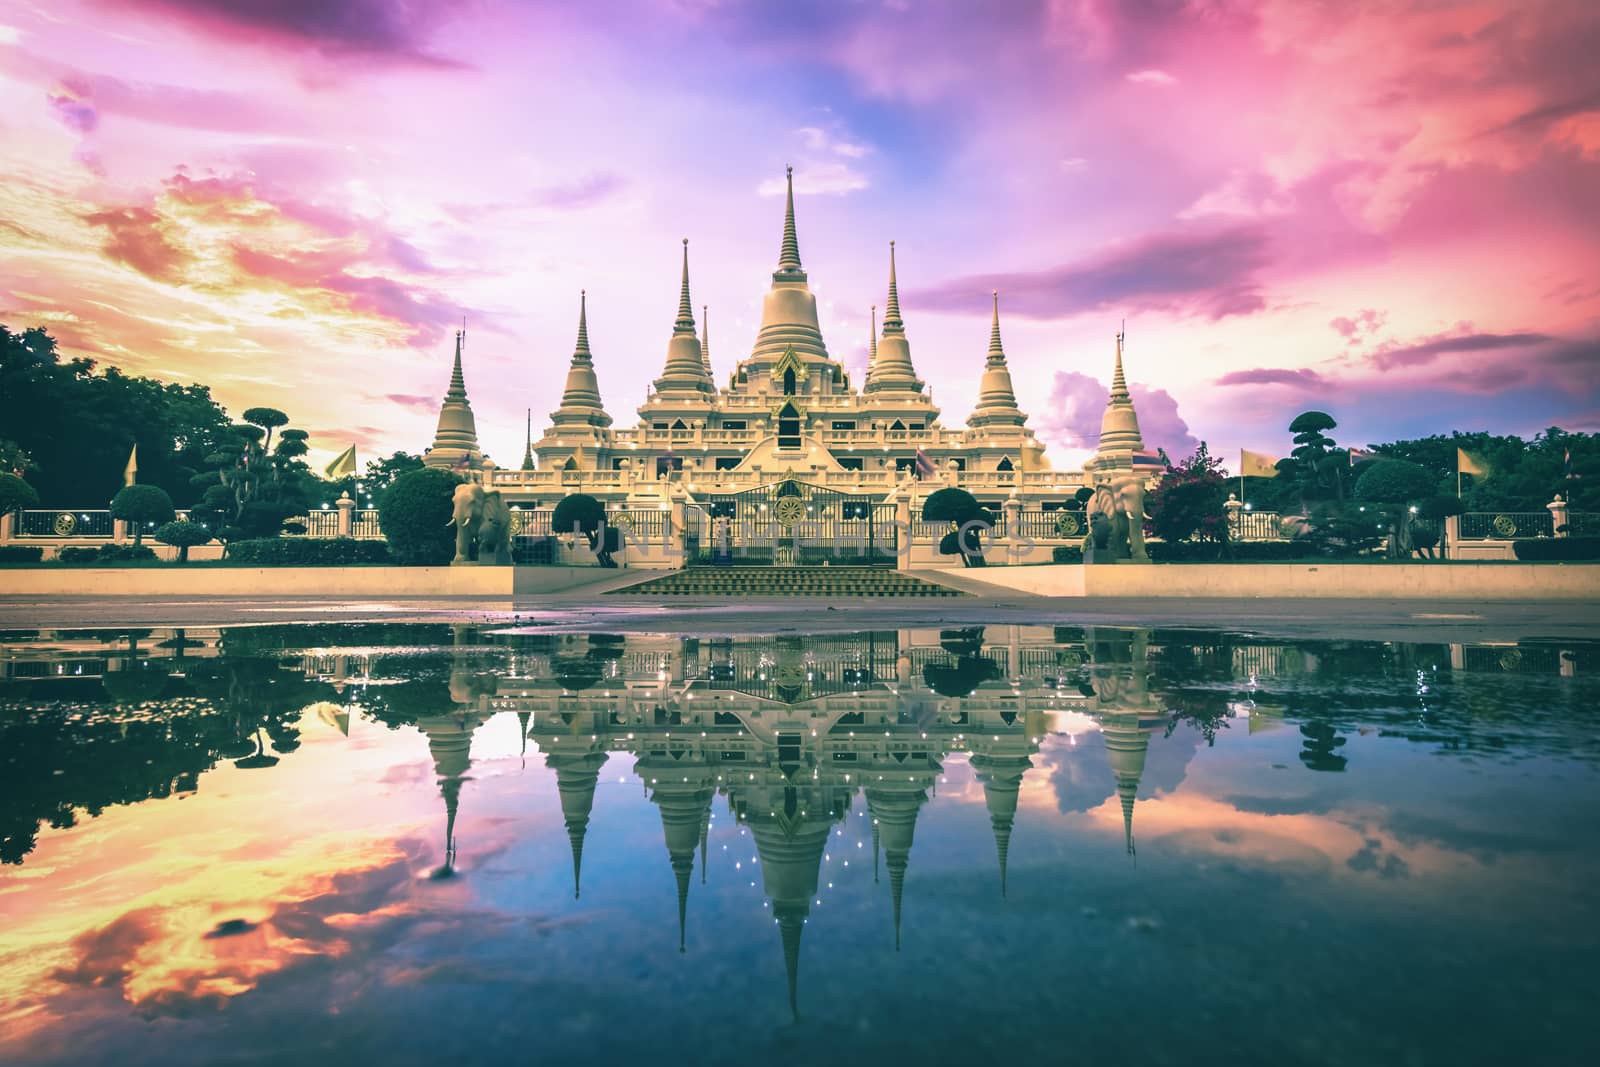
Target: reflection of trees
<point>149,735</point>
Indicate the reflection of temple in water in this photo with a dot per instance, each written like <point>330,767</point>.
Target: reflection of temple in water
<point>790,731</point>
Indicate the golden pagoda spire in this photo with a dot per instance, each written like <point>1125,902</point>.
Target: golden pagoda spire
<point>789,253</point>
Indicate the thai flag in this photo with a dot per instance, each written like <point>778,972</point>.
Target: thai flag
<point>1361,455</point>
<point>924,465</point>
<point>1566,464</point>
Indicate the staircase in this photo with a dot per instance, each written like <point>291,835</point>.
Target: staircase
<point>747,582</point>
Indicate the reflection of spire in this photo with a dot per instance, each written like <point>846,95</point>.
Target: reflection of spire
<point>790,848</point>
<point>1127,745</point>
<point>685,803</point>
<point>576,778</point>
<point>894,810</point>
<point>705,831</point>
<point>1002,785</point>
<point>791,924</point>
<point>874,851</point>
<point>449,743</point>
<point>522,718</point>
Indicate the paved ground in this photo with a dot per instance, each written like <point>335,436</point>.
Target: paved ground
<point>1384,620</point>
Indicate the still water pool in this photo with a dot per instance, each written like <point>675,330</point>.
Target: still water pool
<point>431,843</point>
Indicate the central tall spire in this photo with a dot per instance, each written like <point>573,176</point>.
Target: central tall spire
<point>789,312</point>
<point>997,400</point>
<point>892,323</point>
<point>455,441</point>
<point>789,253</point>
<point>580,400</point>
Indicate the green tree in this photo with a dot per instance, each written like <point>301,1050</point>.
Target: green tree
<point>415,513</point>
<point>74,426</point>
<point>961,508</point>
<point>1317,466</point>
<point>140,506</point>
<point>16,493</point>
<point>183,536</point>
<point>1188,503</point>
<point>1395,487</point>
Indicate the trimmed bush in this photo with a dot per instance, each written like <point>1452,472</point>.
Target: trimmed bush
<point>415,514</point>
<point>1567,549</point>
<point>21,553</point>
<point>587,514</point>
<point>307,552</point>
<point>140,505</point>
<point>1240,552</point>
<point>183,536</point>
<point>1067,554</point>
<point>103,554</point>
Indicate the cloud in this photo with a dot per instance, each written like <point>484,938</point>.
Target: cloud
<point>1430,349</point>
<point>414,401</point>
<point>823,178</point>
<point>1302,378</point>
<point>586,191</point>
<point>76,114</point>
<point>139,237</point>
<point>1158,78</point>
<point>1365,322</point>
<point>1212,272</point>
<point>1071,417</point>
<point>386,30</point>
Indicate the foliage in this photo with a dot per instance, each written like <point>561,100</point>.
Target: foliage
<point>951,505</point>
<point>1393,485</point>
<point>1067,554</point>
<point>380,475</point>
<point>104,554</point>
<point>1558,548</point>
<point>183,536</point>
<point>1083,495</point>
<point>21,553</point>
<point>74,426</point>
<point>415,515</point>
<point>1189,502</point>
<point>307,552</point>
<point>578,511</point>
<point>16,493</point>
<point>1241,551</point>
<point>251,488</point>
<point>1317,467</point>
<point>1523,475</point>
<point>140,506</point>
<point>1438,508</point>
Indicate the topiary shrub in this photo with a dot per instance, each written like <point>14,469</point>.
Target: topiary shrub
<point>78,554</point>
<point>21,553</point>
<point>1067,554</point>
<point>1551,549</point>
<point>140,506</point>
<point>183,536</point>
<point>16,493</point>
<point>125,554</point>
<point>415,515</point>
<point>308,552</point>
<point>960,507</point>
<point>584,513</point>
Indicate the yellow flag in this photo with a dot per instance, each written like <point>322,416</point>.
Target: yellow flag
<point>1257,464</point>
<point>1467,463</point>
<point>132,469</point>
<point>345,464</point>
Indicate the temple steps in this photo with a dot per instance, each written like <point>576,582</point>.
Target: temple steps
<point>830,582</point>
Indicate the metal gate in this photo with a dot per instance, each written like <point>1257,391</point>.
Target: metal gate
<point>791,524</point>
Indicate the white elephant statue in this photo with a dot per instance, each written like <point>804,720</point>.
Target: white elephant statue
<point>1116,522</point>
<point>483,525</point>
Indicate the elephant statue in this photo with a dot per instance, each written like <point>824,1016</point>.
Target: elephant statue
<point>483,525</point>
<point>1116,522</point>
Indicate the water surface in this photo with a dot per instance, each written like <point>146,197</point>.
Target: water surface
<point>432,843</point>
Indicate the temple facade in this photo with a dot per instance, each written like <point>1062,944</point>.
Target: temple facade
<point>787,411</point>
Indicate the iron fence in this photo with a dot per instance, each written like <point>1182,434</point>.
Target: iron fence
<point>1583,523</point>
<point>1505,525</point>
<point>64,522</point>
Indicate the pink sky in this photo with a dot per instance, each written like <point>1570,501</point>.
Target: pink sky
<point>1389,211</point>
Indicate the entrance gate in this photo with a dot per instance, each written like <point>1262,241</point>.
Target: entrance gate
<point>791,524</point>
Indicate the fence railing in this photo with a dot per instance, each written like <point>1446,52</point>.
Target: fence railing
<point>322,524</point>
<point>1257,526</point>
<point>44,522</point>
<point>1505,525</point>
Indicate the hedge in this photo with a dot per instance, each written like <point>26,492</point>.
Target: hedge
<point>1066,554</point>
<point>112,553</point>
<point>1238,552</point>
<point>307,552</point>
<point>1558,548</point>
<point>21,553</point>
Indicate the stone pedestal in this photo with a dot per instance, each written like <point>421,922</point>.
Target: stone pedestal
<point>1559,516</point>
<point>8,526</point>
<point>347,508</point>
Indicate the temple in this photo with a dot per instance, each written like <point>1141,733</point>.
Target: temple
<point>788,411</point>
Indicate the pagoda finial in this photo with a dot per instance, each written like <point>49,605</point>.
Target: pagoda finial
<point>1119,384</point>
<point>872,340</point>
<point>458,384</point>
<point>685,323</point>
<point>789,254</point>
<point>892,323</point>
<point>581,351</point>
<point>705,337</point>
<point>528,465</point>
<point>997,352</point>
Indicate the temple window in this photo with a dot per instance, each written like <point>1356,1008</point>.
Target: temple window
<point>733,424</point>
<point>658,426</point>
<point>841,424</point>
<point>678,425</point>
<point>788,424</point>
<point>914,426</point>
<point>788,382</point>
<point>897,425</point>
<point>1005,464</point>
<point>727,463</point>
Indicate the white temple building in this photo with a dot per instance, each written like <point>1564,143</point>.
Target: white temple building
<point>789,411</point>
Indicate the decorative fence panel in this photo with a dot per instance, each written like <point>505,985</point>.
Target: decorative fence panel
<point>1505,525</point>
<point>1257,526</point>
<point>322,524</point>
<point>40,522</point>
<point>1583,523</point>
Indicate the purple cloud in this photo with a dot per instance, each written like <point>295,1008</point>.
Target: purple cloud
<point>1071,417</point>
<point>1365,322</point>
<point>414,401</point>
<point>76,113</point>
<point>1427,351</point>
<point>1210,271</point>
<point>1300,379</point>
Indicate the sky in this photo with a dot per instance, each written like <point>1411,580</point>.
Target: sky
<point>1387,211</point>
